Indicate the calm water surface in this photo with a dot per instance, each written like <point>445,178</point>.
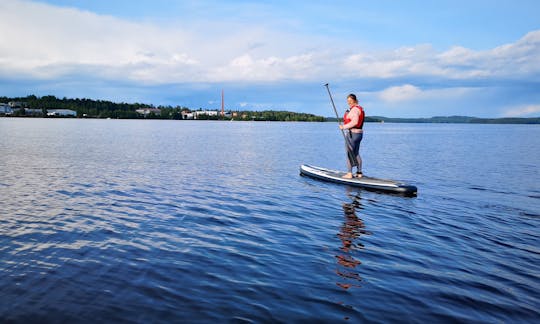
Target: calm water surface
<point>161,221</point>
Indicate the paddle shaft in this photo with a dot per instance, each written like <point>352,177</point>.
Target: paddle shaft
<point>347,142</point>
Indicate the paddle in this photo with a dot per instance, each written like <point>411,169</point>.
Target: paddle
<point>350,155</point>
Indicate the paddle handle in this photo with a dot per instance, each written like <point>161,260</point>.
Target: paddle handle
<point>347,142</point>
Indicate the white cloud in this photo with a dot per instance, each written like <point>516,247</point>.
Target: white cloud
<point>517,60</point>
<point>523,111</point>
<point>49,42</point>
<point>410,93</point>
<point>416,60</point>
<point>400,93</point>
<point>46,41</point>
<point>271,68</point>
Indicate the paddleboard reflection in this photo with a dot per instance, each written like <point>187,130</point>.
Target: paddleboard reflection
<point>351,231</point>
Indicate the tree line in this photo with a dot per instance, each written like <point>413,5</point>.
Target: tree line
<point>107,109</point>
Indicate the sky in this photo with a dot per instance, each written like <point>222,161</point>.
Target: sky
<point>401,58</point>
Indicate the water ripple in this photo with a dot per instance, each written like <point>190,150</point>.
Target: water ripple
<point>141,225</point>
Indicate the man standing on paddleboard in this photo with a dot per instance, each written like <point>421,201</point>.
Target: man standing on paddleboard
<point>353,120</point>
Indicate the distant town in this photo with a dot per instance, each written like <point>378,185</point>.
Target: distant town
<point>52,107</point>
<point>21,109</point>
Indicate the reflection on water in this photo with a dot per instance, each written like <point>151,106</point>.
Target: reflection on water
<point>164,221</point>
<point>350,232</point>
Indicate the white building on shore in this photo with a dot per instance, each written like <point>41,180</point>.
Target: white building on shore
<point>33,112</point>
<point>148,111</point>
<point>187,115</point>
<point>61,112</point>
<point>5,109</point>
<point>211,113</point>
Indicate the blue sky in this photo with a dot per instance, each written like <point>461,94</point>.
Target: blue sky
<point>402,58</point>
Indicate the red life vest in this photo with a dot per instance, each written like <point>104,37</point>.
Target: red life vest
<point>360,123</point>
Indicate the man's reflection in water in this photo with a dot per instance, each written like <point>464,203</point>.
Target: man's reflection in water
<point>353,227</point>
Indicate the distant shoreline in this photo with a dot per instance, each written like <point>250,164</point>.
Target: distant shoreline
<point>451,120</point>
<point>52,107</point>
<point>378,119</point>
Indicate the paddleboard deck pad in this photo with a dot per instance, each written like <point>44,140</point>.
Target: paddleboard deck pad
<point>363,182</point>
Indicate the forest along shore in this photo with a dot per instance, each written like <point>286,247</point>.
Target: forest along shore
<point>50,106</point>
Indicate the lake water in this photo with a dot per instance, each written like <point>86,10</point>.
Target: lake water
<point>194,221</point>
